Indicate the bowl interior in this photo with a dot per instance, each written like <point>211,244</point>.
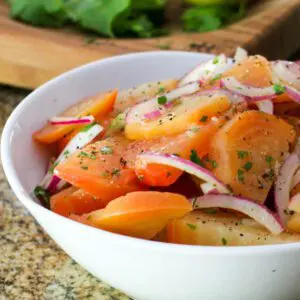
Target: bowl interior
<point>26,161</point>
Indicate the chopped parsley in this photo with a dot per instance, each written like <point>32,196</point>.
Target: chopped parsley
<point>248,166</point>
<point>242,154</point>
<point>66,153</point>
<point>116,172</point>
<point>88,127</point>
<point>191,226</point>
<point>279,89</point>
<point>51,170</point>
<point>204,119</point>
<point>214,164</point>
<point>88,155</point>
<point>216,60</point>
<point>161,90</point>
<point>224,242</point>
<point>240,175</point>
<point>42,194</point>
<point>269,160</point>
<point>194,157</point>
<point>118,123</point>
<point>84,167</point>
<point>162,100</point>
<point>215,78</point>
<point>105,150</point>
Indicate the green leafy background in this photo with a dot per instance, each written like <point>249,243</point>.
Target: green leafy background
<point>140,18</point>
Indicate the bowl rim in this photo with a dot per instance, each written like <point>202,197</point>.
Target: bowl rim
<point>28,201</point>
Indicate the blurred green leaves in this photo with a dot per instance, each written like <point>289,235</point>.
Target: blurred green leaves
<point>212,17</point>
<point>106,17</point>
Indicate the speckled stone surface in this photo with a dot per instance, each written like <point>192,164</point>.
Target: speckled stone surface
<point>32,266</point>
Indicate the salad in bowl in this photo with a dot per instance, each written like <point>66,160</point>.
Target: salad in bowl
<point>211,158</point>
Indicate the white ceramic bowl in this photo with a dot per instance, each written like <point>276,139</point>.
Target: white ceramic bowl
<point>145,270</point>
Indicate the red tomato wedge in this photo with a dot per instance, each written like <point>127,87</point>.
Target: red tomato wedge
<point>100,104</point>
<point>99,169</point>
<point>75,201</point>
<point>140,214</point>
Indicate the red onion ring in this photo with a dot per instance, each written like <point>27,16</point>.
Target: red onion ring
<point>258,212</point>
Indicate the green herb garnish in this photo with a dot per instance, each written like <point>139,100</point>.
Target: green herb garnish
<point>162,100</point>
<point>248,166</point>
<point>203,119</point>
<point>88,127</point>
<point>215,78</point>
<point>214,164</point>
<point>216,60</point>
<point>84,167</point>
<point>194,157</point>
<point>116,172</point>
<point>51,169</point>
<point>269,160</point>
<point>88,155</point>
<point>118,123</point>
<point>161,90</point>
<point>43,195</point>
<point>242,154</point>
<point>191,226</point>
<point>224,242</point>
<point>240,175</point>
<point>279,89</point>
<point>105,150</point>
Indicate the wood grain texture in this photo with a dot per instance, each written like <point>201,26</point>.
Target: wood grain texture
<point>30,56</point>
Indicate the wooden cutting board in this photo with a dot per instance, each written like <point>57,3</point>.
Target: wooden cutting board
<point>30,56</point>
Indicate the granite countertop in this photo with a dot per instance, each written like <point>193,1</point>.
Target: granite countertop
<point>32,266</point>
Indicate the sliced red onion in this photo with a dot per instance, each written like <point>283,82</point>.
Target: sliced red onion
<point>296,179</point>
<point>294,204</point>
<point>266,106</point>
<point>256,94</point>
<point>146,110</point>
<point>240,55</point>
<point>52,187</point>
<point>288,72</point>
<point>207,70</point>
<point>283,185</point>
<point>184,165</point>
<point>53,183</point>
<point>293,93</point>
<point>70,120</point>
<point>234,98</point>
<point>258,212</point>
<point>152,115</point>
<point>208,188</point>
